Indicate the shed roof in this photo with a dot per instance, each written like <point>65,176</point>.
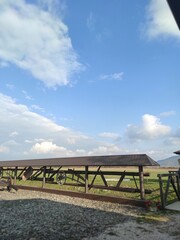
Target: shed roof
<point>175,8</point>
<point>177,152</point>
<point>110,160</point>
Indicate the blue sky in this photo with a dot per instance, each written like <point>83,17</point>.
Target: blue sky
<point>88,78</point>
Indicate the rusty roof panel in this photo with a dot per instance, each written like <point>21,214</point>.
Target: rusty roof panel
<point>110,160</point>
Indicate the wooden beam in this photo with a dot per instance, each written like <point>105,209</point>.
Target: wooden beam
<point>95,177</point>
<point>120,180</point>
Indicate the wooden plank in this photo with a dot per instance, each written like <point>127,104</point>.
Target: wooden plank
<point>113,173</point>
<point>113,199</point>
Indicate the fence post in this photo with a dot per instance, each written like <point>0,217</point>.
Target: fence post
<point>161,191</point>
<point>44,177</point>
<point>141,179</point>
<point>178,184</point>
<point>15,175</point>
<point>86,179</point>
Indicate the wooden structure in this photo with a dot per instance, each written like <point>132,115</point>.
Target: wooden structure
<point>171,179</point>
<point>165,181</point>
<point>177,152</point>
<point>77,169</point>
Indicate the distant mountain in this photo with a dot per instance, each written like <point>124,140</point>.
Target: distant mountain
<point>170,162</point>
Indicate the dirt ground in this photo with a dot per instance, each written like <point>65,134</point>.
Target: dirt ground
<point>152,226</point>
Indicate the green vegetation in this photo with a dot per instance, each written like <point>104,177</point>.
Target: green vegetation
<point>152,217</point>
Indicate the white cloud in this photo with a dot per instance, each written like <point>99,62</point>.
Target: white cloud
<point>34,140</point>
<point>71,140</point>
<point>177,134</point>
<point>91,22</point>
<point>13,114</point>
<point>40,137</point>
<point>3,149</point>
<point>81,152</point>
<point>13,134</point>
<point>167,114</point>
<point>25,134</point>
<point>113,76</point>
<point>47,147</point>
<point>160,21</point>
<point>150,128</point>
<point>26,95</point>
<point>36,40</point>
<point>10,86</point>
<point>109,135</point>
<point>173,141</point>
<point>36,107</point>
<point>55,7</point>
<point>106,149</point>
<point>34,133</point>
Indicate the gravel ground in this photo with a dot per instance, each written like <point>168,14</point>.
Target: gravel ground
<point>35,216</point>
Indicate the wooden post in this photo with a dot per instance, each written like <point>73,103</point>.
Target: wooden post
<point>178,183</point>
<point>1,172</point>
<point>161,191</point>
<point>86,179</point>
<point>141,180</point>
<point>167,190</point>
<point>44,177</point>
<point>15,175</point>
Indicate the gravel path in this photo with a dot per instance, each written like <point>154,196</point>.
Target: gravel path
<point>35,216</point>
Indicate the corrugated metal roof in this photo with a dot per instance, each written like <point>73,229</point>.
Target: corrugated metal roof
<point>112,160</point>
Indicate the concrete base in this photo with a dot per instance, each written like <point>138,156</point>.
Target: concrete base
<point>174,206</point>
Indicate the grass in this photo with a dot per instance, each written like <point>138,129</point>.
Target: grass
<point>157,216</point>
<point>151,217</point>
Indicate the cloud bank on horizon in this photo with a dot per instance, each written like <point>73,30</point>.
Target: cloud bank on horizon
<point>37,40</point>
<point>25,134</point>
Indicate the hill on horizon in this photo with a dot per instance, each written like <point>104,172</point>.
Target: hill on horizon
<point>170,162</point>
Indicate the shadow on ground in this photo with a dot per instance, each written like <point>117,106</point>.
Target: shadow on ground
<point>37,219</point>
